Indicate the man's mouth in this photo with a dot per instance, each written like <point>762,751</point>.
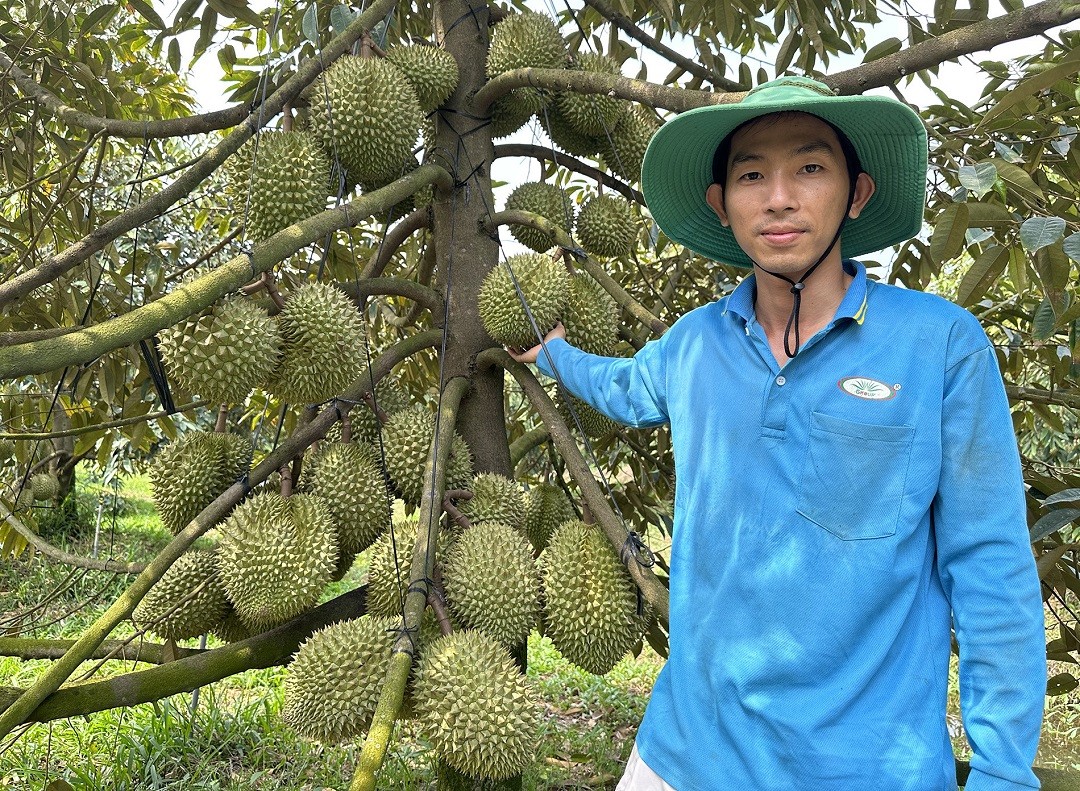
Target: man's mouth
<point>781,236</point>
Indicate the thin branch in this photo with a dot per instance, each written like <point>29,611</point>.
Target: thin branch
<point>406,227</point>
<point>47,549</point>
<point>217,248</point>
<point>1058,398</point>
<point>424,296</point>
<point>570,163</point>
<point>128,421</point>
<point>151,653</point>
<point>526,442</point>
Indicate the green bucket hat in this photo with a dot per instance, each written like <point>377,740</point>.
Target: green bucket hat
<point>888,136</point>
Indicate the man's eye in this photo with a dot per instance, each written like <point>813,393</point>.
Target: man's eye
<point>811,168</point>
<point>752,175</point>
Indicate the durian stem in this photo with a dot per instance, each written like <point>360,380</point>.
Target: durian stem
<point>562,238</point>
<point>346,427</point>
<point>653,590</point>
<point>285,473</point>
<point>521,446</point>
<point>422,569</point>
<point>452,511</point>
<point>49,681</point>
<point>437,602</point>
<point>222,419</point>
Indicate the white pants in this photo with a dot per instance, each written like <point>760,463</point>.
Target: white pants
<point>639,777</point>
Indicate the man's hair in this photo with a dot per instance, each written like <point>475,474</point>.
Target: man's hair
<point>723,151</point>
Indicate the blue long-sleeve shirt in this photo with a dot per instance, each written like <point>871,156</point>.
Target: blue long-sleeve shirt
<point>830,517</point>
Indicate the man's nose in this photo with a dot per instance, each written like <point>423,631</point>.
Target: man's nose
<point>781,195</point>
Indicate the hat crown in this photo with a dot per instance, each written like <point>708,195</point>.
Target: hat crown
<point>787,88</point>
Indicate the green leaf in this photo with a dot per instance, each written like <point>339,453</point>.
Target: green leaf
<point>1061,684</point>
<point>1039,232</point>
<point>949,230</point>
<point>982,274</point>
<point>988,215</point>
<point>1032,85</point>
<point>1052,522</point>
<point>174,56</point>
<point>979,178</point>
<point>786,52</point>
<point>1018,179</point>
<point>1043,321</point>
<point>341,17</point>
<point>883,49</point>
<point>100,15</point>
<point>147,12</point>
<point>310,24</point>
<point>1064,496</point>
<point>1071,246</point>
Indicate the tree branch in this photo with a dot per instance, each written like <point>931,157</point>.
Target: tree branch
<point>1058,398</point>
<point>570,163</point>
<point>422,295</point>
<point>135,651</point>
<point>59,555</point>
<point>128,421</point>
<point>406,227</point>
<point>526,442</point>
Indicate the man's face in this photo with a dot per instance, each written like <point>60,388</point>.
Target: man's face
<point>787,187</point>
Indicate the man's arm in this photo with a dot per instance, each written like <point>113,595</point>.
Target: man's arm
<point>988,572</point>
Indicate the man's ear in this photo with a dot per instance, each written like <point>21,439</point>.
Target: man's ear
<point>714,196</point>
<point>864,190</point>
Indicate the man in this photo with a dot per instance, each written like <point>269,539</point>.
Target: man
<point>848,483</point>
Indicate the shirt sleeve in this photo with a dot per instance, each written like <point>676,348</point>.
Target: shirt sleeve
<point>988,572</point>
<point>631,391</point>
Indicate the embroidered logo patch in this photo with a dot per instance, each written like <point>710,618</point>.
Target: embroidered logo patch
<point>869,389</point>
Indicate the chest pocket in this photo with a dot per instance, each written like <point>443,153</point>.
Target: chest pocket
<point>854,476</point>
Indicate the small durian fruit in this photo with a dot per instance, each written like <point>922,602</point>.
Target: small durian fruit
<point>545,285</point>
<point>25,499</point>
<point>475,706</point>
<point>432,72</point>
<point>190,473</point>
<point>625,150</point>
<point>224,354</point>
<point>407,439</point>
<point>495,498</point>
<point>591,318</point>
<point>592,114</point>
<point>525,40</point>
<point>187,601</point>
<point>546,509</point>
<point>387,581</point>
<point>606,227</point>
<point>324,345</point>
<point>364,111</point>
<point>7,450</point>
<point>566,136</point>
<point>349,479</point>
<point>345,561</point>
<point>277,179</point>
<point>491,582</point>
<point>276,555</point>
<point>593,423</point>
<point>550,202</point>
<point>511,112</point>
<point>390,397</point>
<point>44,486</point>
<point>334,680</point>
<point>231,629</point>
<point>589,599</point>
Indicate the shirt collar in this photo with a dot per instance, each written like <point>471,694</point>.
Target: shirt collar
<point>852,306</point>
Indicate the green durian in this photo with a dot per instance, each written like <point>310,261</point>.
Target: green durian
<point>390,397</point>
<point>625,150</point>
<point>495,498</point>
<point>550,202</point>
<point>187,601</point>
<point>190,473</point>
<point>432,72</point>
<point>525,40</point>
<point>592,114</point>
<point>545,285</point>
<point>606,227</point>
<point>407,439</point>
<point>566,137</point>
<point>348,477</point>
<point>593,423</point>
<point>547,508</point>
<point>591,317</point>
<point>44,486</point>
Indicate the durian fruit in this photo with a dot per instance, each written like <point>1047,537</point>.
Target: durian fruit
<point>335,679</point>
<point>432,72</point>
<point>231,629</point>
<point>407,439</point>
<point>289,181</point>
<point>390,397</point>
<point>7,450</point>
<point>324,345</point>
<point>592,114</point>
<point>421,197</point>
<point>591,318</point>
<point>594,423</point>
<point>550,202</point>
<point>345,561</point>
<point>187,601</point>
<point>350,480</point>
<point>24,500</point>
<point>525,40</point>
<point>476,707</point>
<point>589,599</point>
<point>544,284</point>
<point>491,582</point>
<point>44,486</point>
<point>546,509</point>
<point>277,554</point>
<point>190,473</point>
<point>606,227</point>
<point>511,112</point>
<point>224,354</point>
<point>495,498</point>
<point>365,111</point>
<point>566,137</point>
<point>625,150</point>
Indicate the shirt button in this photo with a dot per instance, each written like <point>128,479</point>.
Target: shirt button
<point>781,381</point>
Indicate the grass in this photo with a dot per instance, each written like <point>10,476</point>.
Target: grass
<point>234,739</point>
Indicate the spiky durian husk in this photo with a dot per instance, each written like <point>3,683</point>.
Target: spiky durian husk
<point>545,285</point>
<point>349,479</point>
<point>25,499</point>
<point>566,136</point>
<point>187,601</point>
<point>289,182</point>
<point>495,498</point>
<point>231,629</point>
<point>335,679</point>
<point>594,423</point>
<point>511,112</point>
<point>407,439</point>
<point>626,149</point>
<point>591,317</point>
<point>546,509</point>
<point>345,561</point>
<point>324,345</point>
<point>7,450</point>
<point>592,114</point>
<point>606,227</point>
<point>432,72</point>
<point>224,354</point>
<point>365,110</point>
<point>390,397</point>
<point>476,707</point>
<point>190,473</point>
<point>525,40</point>
<point>550,202</point>
<point>421,197</point>
<point>44,486</point>
<point>276,555</point>
<point>589,599</point>
<point>491,582</point>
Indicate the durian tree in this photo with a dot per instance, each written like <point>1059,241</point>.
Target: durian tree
<point>292,313</point>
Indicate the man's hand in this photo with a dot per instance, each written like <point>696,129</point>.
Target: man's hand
<point>530,355</point>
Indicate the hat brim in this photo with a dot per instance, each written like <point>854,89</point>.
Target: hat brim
<point>889,138</point>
